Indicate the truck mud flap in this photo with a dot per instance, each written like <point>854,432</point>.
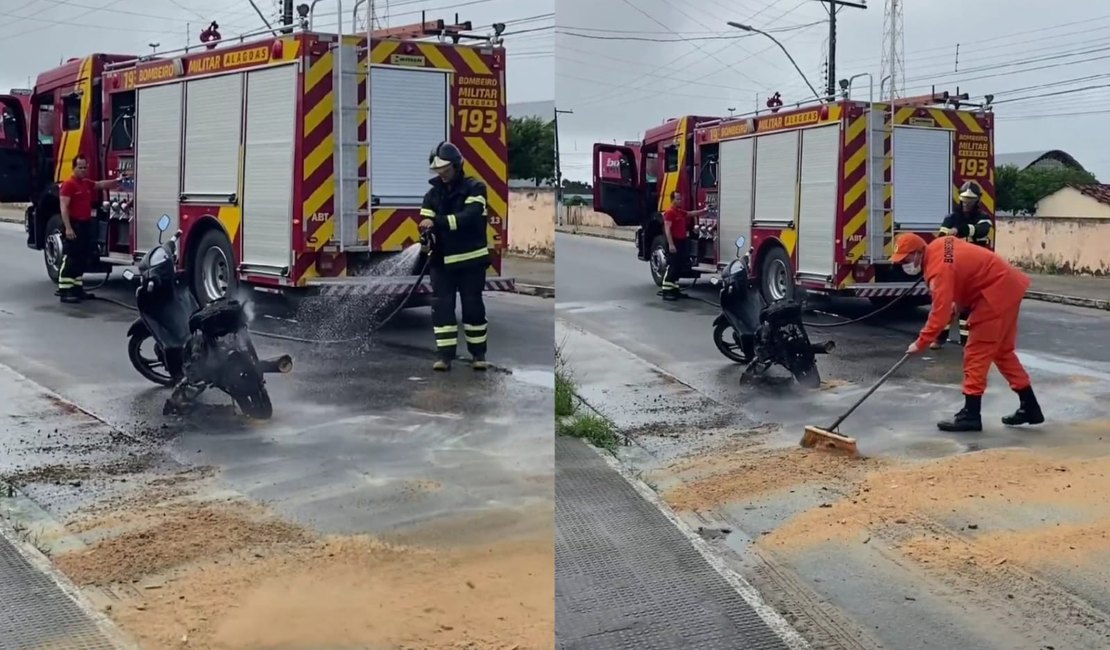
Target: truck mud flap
<point>389,286</point>
<point>887,290</point>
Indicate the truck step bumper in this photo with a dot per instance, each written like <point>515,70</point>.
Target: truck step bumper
<point>389,286</point>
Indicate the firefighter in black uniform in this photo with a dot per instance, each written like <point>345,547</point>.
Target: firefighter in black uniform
<point>971,223</point>
<point>454,211</point>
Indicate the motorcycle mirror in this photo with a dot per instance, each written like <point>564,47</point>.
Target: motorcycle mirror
<point>164,223</point>
<point>128,275</point>
<point>714,281</point>
<point>740,245</point>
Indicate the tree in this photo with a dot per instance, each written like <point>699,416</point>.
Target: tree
<point>531,149</point>
<point>1019,190</point>
<point>577,187</point>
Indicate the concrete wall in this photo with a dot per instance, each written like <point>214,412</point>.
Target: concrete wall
<point>1056,244</point>
<point>1071,203</point>
<point>532,222</point>
<point>583,215</point>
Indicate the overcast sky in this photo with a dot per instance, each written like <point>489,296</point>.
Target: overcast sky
<point>37,34</point>
<point>617,86</point>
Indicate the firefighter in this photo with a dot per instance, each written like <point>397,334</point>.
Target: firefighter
<point>454,210</point>
<point>971,223</point>
<point>676,228</point>
<point>78,196</point>
<point>960,273</point>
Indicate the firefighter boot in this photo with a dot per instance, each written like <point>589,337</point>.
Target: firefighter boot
<point>1029,412</point>
<point>479,363</point>
<point>441,365</point>
<point>967,419</point>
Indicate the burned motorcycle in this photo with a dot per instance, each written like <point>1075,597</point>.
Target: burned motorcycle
<point>195,349</point>
<point>761,336</point>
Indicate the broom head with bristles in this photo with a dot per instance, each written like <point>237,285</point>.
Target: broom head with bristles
<point>816,437</point>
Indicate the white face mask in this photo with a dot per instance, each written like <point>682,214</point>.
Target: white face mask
<point>912,268</point>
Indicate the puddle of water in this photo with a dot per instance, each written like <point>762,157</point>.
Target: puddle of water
<point>1061,367</point>
<point>541,378</point>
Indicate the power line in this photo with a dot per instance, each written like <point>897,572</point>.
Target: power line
<point>683,39</point>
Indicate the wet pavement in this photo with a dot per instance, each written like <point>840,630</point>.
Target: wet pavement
<point>651,367</point>
<point>365,436</point>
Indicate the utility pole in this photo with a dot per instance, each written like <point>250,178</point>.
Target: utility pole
<point>558,167</point>
<point>287,16</point>
<point>834,6</point>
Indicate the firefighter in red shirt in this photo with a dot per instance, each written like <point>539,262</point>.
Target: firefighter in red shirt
<point>78,196</point>
<point>676,227</point>
<point>962,274</point>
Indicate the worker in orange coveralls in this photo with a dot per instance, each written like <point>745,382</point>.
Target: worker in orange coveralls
<point>961,274</point>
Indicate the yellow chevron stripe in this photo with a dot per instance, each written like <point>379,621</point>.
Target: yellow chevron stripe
<point>970,122</point>
<point>434,56</point>
<point>854,163</point>
<point>70,145</point>
<point>939,115</point>
<point>670,179</point>
<point>231,218</point>
<point>474,61</point>
<point>789,239</point>
<point>318,71</point>
<point>854,192</point>
<point>988,202</point>
<point>903,114</point>
<point>318,113</point>
<point>853,227</point>
<point>497,203</point>
<point>858,250</point>
<point>407,232</point>
<point>383,50</point>
<point>324,233</point>
<point>319,197</point>
<point>319,155</point>
<point>855,129</point>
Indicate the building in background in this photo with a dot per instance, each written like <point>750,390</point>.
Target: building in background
<point>1046,159</point>
<point>1076,202</point>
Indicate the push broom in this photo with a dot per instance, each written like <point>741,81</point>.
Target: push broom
<point>827,438</point>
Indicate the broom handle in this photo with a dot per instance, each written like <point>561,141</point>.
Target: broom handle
<point>882,380</point>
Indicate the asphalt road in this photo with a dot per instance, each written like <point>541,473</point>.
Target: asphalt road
<point>354,425</point>
<point>652,368</point>
<point>604,290</point>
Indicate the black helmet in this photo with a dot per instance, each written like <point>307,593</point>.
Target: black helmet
<point>971,191</point>
<point>445,154</point>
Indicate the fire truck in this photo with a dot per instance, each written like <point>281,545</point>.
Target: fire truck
<point>818,191</point>
<point>258,148</point>
<point>15,136</point>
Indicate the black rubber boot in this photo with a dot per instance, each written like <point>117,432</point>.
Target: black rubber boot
<point>967,419</point>
<point>1029,412</point>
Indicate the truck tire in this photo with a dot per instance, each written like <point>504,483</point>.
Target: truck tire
<point>53,237</point>
<point>657,259</point>
<point>214,273</point>
<point>776,278</point>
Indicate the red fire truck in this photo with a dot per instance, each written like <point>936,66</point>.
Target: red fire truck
<point>15,140</point>
<point>258,148</point>
<point>818,191</point>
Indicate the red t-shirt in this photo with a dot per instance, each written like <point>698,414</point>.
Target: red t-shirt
<point>679,221</point>
<point>80,192</point>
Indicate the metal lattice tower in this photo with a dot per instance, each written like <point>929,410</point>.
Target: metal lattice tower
<point>894,58</point>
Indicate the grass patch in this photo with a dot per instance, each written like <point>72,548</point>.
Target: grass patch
<point>565,402</point>
<point>592,428</point>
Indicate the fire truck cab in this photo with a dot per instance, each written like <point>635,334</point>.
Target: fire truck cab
<point>818,191</point>
<point>259,149</point>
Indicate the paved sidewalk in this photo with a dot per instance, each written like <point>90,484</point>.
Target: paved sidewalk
<point>39,608</point>
<point>534,276</point>
<point>627,577</point>
<point>1080,291</point>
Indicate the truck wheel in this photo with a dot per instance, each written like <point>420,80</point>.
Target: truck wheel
<point>214,270</point>
<point>52,247</point>
<point>657,259</point>
<point>776,278</point>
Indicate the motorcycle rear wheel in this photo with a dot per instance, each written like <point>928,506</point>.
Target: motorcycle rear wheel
<point>255,405</point>
<point>728,343</point>
<point>148,368</point>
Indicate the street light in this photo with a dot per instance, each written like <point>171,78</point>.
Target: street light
<point>749,28</point>
<point>154,47</point>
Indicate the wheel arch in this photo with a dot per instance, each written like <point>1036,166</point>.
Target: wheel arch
<point>200,227</point>
<point>652,228</point>
<point>46,206</point>
<point>764,247</point>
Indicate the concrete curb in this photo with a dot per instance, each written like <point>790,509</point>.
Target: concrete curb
<point>11,218</point>
<point>629,238</point>
<point>41,563</point>
<point>538,290</point>
<point>1074,301</point>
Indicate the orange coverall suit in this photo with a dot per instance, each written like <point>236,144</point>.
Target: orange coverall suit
<point>964,275</point>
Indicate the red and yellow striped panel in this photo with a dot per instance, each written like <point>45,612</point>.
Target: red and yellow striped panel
<point>70,144</point>
<point>853,206</point>
<point>318,162</point>
<point>363,147</point>
<point>888,184</point>
<point>484,148</point>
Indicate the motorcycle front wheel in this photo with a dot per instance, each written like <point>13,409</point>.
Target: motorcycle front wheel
<point>255,404</point>
<point>811,379</point>
<point>152,369</point>
<point>728,343</point>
